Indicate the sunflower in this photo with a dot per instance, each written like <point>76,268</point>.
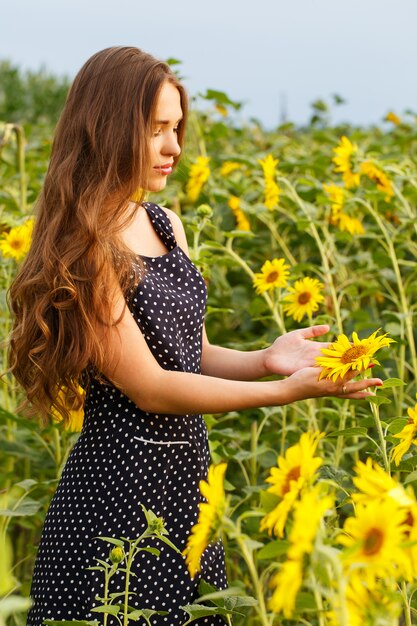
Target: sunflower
<point>408,436</point>
<point>294,470</point>
<point>287,583</point>
<point>16,243</point>
<point>273,274</point>
<point>368,607</point>
<point>199,175</point>
<point>374,540</point>
<point>304,298</point>
<point>343,160</point>
<point>228,167</point>
<point>242,222</point>
<point>375,484</point>
<point>308,513</point>
<point>337,196</point>
<point>392,117</point>
<point>76,419</point>
<point>271,189</point>
<point>349,224</point>
<point>210,516</point>
<point>379,177</point>
<point>342,356</point>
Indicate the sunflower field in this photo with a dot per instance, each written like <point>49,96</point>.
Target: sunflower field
<point>316,501</point>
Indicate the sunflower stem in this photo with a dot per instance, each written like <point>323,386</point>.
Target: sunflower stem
<point>404,306</point>
<point>318,599</point>
<point>248,558</point>
<point>275,234</point>
<point>382,441</point>
<point>324,257</point>
<point>406,603</point>
<point>340,440</point>
<point>275,314</point>
<point>254,445</point>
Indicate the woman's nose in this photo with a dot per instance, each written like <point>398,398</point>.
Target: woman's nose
<point>171,146</point>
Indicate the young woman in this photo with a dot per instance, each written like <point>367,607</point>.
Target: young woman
<point>108,298</point>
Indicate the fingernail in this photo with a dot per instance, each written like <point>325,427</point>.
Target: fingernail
<point>371,365</point>
<point>378,384</point>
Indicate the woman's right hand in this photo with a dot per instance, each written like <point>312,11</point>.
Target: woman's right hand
<point>305,383</point>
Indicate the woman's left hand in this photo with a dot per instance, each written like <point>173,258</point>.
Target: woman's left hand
<point>293,351</point>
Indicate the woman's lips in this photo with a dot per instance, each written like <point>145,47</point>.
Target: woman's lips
<point>164,169</point>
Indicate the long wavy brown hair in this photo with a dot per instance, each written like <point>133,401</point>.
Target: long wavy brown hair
<point>63,293</point>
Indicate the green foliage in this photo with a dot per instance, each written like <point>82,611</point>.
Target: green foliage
<point>369,282</point>
<point>31,97</point>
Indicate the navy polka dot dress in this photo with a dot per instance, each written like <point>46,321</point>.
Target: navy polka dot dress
<point>125,457</point>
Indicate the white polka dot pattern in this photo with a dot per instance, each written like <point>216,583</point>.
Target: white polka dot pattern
<point>126,456</point>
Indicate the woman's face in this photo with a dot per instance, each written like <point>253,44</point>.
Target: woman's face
<point>164,139</point>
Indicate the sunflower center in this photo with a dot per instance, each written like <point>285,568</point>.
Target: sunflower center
<point>355,352</point>
<point>304,298</point>
<point>16,244</point>
<point>373,541</point>
<point>293,474</point>
<point>272,277</point>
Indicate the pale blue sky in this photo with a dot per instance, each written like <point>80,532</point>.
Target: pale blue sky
<point>258,51</point>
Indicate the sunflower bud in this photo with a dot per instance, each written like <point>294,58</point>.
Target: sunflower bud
<point>204,210</point>
<point>116,555</point>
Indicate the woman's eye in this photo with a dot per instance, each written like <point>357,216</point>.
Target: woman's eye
<point>157,132</point>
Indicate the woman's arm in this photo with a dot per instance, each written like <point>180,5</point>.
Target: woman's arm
<point>288,354</point>
<point>285,356</point>
<point>130,365</point>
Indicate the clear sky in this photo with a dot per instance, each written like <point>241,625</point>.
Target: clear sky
<point>261,52</point>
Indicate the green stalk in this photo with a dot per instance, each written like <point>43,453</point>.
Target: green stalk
<point>318,599</point>
<point>339,583</point>
<point>20,137</point>
<point>253,446</point>
<point>58,449</point>
<point>273,308</point>
<point>340,440</point>
<point>406,603</point>
<point>275,234</point>
<point>129,562</point>
<point>283,429</point>
<point>195,125</point>
<point>247,556</point>
<point>106,594</point>
<point>382,441</point>
<point>322,250</point>
<point>405,309</point>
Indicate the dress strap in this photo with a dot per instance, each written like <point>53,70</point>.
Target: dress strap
<point>162,224</point>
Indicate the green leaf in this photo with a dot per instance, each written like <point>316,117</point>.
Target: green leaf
<point>305,601</point>
<point>13,604</point>
<point>116,542</point>
<point>112,609</point>
<point>273,549</point>
<point>269,500</point>
<point>73,622</point>
<point>153,551</point>
<point>146,613</point>
<point>378,400</point>
<point>397,425</point>
<point>411,478</point>
<point>392,382</point>
<point>195,611</point>
<point>355,431</point>
<point>27,507</point>
<point>168,543</point>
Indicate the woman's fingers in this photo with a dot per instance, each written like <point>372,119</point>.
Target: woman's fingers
<point>359,388</point>
<point>314,331</point>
